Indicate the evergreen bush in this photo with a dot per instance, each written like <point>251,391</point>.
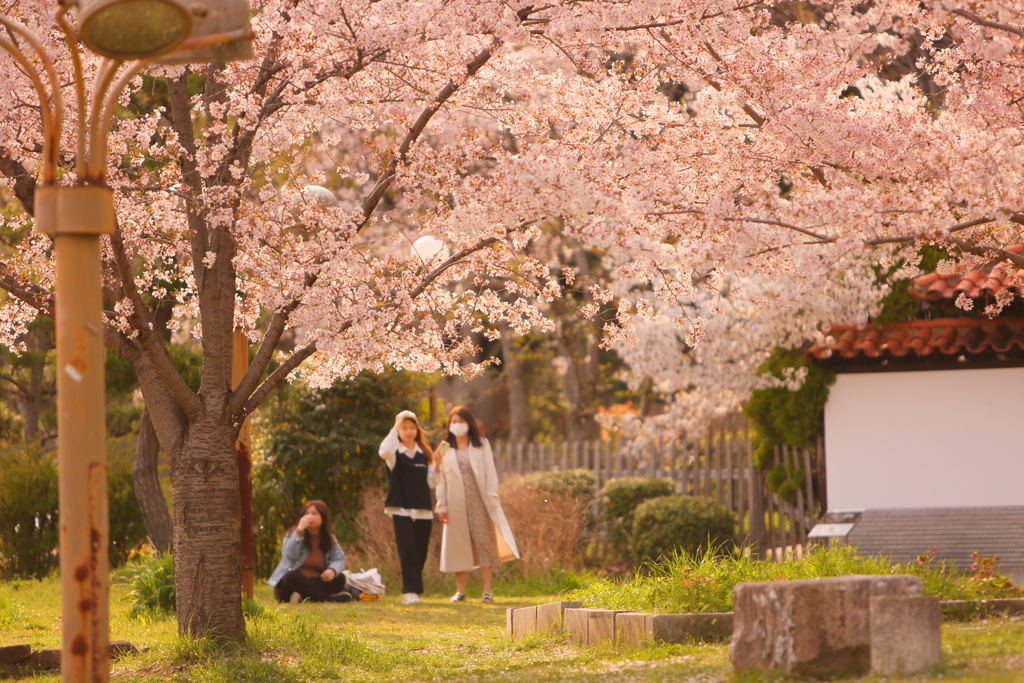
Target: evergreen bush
<point>29,527</point>
<point>672,524</point>
<point>620,499</point>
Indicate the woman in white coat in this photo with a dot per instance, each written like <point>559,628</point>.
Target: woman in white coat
<point>476,533</point>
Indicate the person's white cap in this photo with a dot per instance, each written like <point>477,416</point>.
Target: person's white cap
<point>407,415</point>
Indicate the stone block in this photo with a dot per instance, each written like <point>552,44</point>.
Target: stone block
<point>120,648</point>
<point>906,634</point>
<point>634,629</point>
<point>508,621</point>
<point>679,628</point>
<point>47,658</point>
<point>12,654</point>
<point>524,622</point>
<point>601,626</point>
<point>550,617</point>
<point>811,627</point>
<point>575,621</point>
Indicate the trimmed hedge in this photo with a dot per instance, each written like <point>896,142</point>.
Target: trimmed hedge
<point>620,499</point>
<point>669,524</point>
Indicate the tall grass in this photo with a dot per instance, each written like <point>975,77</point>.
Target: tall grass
<point>705,582</point>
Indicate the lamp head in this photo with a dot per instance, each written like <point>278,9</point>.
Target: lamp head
<point>133,29</point>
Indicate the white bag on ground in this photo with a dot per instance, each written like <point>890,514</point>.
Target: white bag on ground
<point>367,581</point>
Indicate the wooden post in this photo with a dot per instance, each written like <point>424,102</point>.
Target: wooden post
<point>756,491</point>
<point>707,464</point>
<point>740,479</point>
<point>810,487</point>
<point>239,364</point>
<point>822,480</point>
<point>729,503</point>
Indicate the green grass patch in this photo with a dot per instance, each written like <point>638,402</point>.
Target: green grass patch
<point>704,583</point>
<point>386,642</point>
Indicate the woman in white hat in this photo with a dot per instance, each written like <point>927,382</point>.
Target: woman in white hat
<point>476,532</point>
<point>410,464</point>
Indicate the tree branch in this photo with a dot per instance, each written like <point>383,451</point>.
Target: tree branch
<point>384,182</point>
<point>265,352</point>
<point>280,373</point>
<point>972,17</point>
<point>152,345</point>
<point>990,252</point>
<point>24,181</point>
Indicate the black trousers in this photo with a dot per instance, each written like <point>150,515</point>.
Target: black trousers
<point>314,589</point>
<point>413,538</point>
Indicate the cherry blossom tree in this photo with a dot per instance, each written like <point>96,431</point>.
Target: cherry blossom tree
<point>212,215</point>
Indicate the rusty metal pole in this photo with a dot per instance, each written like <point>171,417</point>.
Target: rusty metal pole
<point>76,217</point>
<point>239,364</point>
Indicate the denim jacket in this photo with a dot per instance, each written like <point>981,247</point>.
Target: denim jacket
<point>294,553</point>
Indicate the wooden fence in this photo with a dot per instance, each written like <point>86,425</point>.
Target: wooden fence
<point>718,467</point>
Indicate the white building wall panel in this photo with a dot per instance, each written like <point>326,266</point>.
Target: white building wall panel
<point>944,438</point>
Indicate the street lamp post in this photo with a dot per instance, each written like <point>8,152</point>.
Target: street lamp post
<point>75,216</point>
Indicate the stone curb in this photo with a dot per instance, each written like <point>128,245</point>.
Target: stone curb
<point>22,660</point>
<point>589,627</point>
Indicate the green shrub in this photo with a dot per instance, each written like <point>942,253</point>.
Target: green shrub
<point>29,531</point>
<point>577,484</point>
<point>150,580</point>
<point>620,499</point>
<point>671,524</point>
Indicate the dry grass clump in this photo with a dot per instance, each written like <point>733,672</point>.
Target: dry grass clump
<point>549,526</point>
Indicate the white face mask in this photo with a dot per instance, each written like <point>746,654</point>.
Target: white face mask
<point>459,429</point>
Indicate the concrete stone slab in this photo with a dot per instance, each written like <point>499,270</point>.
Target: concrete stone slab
<point>12,654</point>
<point>809,627</point>
<point>575,621</point>
<point>550,616</point>
<point>906,634</point>
<point>679,628</point>
<point>634,629</point>
<point>47,658</point>
<point>524,622</point>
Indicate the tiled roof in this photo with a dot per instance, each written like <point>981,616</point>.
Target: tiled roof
<point>975,283</point>
<point>904,534</point>
<point>923,338</point>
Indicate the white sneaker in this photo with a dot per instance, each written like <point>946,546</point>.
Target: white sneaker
<point>295,598</point>
<point>410,599</point>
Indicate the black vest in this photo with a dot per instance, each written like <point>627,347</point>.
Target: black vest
<point>407,483</point>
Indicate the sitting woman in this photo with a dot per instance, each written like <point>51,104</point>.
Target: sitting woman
<point>312,562</point>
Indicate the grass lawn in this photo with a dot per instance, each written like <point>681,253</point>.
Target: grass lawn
<point>435,641</point>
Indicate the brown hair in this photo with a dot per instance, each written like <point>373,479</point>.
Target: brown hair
<point>421,441</point>
<point>476,435</point>
<point>326,539</point>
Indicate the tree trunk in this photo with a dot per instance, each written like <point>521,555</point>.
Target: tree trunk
<point>147,487</point>
<point>207,578</point>
<point>518,403</point>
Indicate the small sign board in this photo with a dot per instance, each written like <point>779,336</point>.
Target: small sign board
<point>830,530</point>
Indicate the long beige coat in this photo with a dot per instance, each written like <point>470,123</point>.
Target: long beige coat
<point>456,547</point>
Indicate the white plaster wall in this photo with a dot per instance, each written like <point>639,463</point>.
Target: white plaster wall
<point>944,438</point>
